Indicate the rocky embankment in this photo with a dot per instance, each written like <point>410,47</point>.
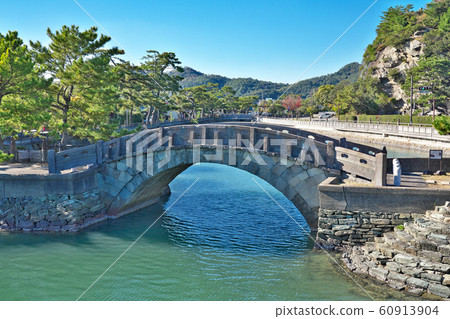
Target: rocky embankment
<point>415,257</point>
<point>51,212</point>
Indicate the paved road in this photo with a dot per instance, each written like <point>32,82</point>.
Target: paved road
<point>23,169</point>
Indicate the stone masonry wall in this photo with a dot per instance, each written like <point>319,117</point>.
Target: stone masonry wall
<point>414,258</point>
<point>51,212</point>
<point>339,228</point>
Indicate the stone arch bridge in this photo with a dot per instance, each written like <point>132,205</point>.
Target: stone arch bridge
<point>134,171</point>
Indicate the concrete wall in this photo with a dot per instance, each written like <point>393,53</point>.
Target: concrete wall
<point>42,185</point>
<point>380,199</point>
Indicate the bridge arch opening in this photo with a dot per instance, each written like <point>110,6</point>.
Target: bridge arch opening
<point>228,210</point>
<point>297,181</point>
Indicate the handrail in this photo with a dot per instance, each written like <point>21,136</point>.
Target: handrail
<point>402,129</point>
<point>317,120</point>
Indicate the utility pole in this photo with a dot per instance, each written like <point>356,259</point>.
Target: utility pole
<point>432,92</point>
<point>412,101</point>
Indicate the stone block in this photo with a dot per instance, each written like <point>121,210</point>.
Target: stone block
<point>437,238</point>
<point>379,273</point>
<point>393,266</point>
<point>347,221</point>
<point>380,221</point>
<point>439,290</point>
<point>121,166</point>
<point>418,283</point>
<point>405,260</point>
<point>431,277</point>
<point>426,245</point>
<point>444,250</point>
<point>415,291</point>
<point>411,271</point>
<point>340,233</point>
<point>446,280</point>
<point>428,265</point>
<point>341,227</point>
<point>430,255</point>
<point>124,177</point>
<point>314,171</point>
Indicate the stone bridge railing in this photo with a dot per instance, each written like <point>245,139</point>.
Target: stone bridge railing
<point>266,139</point>
<point>187,135</point>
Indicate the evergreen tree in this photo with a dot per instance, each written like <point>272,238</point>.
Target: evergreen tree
<point>85,82</point>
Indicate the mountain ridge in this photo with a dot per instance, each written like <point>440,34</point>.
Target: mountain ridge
<point>266,89</point>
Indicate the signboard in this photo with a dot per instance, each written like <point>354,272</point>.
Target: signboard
<point>435,154</point>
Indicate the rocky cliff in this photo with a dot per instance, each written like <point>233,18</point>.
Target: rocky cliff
<point>391,64</point>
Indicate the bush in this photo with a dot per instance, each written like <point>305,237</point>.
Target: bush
<point>442,125</point>
<point>124,132</point>
<point>5,157</point>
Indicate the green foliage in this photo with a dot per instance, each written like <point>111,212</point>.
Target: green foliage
<point>397,25</point>
<point>306,87</point>
<point>4,158</point>
<point>264,89</point>
<point>432,71</point>
<point>401,227</point>
<point>23,105</point>
<point>124,132</point>
<point>442,125</point>
<point>390,118</point>
<point>365,96</point>
<point>85,82</point>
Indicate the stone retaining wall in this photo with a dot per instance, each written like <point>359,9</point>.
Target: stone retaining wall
<point>415,258</point>
<point>339,228</point>
<point>51,212</point>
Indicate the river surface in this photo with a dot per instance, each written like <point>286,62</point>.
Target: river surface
<point>225,239</point>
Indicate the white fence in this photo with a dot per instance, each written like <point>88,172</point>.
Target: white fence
<point>400,129</point>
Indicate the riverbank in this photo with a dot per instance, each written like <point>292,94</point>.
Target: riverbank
<point>415,257</point>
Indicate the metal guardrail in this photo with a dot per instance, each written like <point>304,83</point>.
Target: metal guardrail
<point>405,129</point>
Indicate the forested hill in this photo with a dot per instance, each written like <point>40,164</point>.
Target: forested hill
<point>249,86</point>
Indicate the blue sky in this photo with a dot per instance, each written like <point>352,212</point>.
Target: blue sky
<point>267,40</point>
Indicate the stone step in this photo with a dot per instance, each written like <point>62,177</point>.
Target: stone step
<point>401,242</point>
<point>404,236</point>
<point>425,239</point>
<point>385,249</point>
<point>443,209</point>
<point>437,216</point>
<point>418,233</point>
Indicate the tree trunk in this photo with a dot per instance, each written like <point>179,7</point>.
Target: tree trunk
<point>64,133</point>
<point>147,118</point>
<point>13,149</point>
<point>155,117</point>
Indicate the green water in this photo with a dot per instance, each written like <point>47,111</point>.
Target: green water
<point>224,240</point>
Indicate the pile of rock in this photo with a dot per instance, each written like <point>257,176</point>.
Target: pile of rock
<point>51,212</point>
<point>415,257</point>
